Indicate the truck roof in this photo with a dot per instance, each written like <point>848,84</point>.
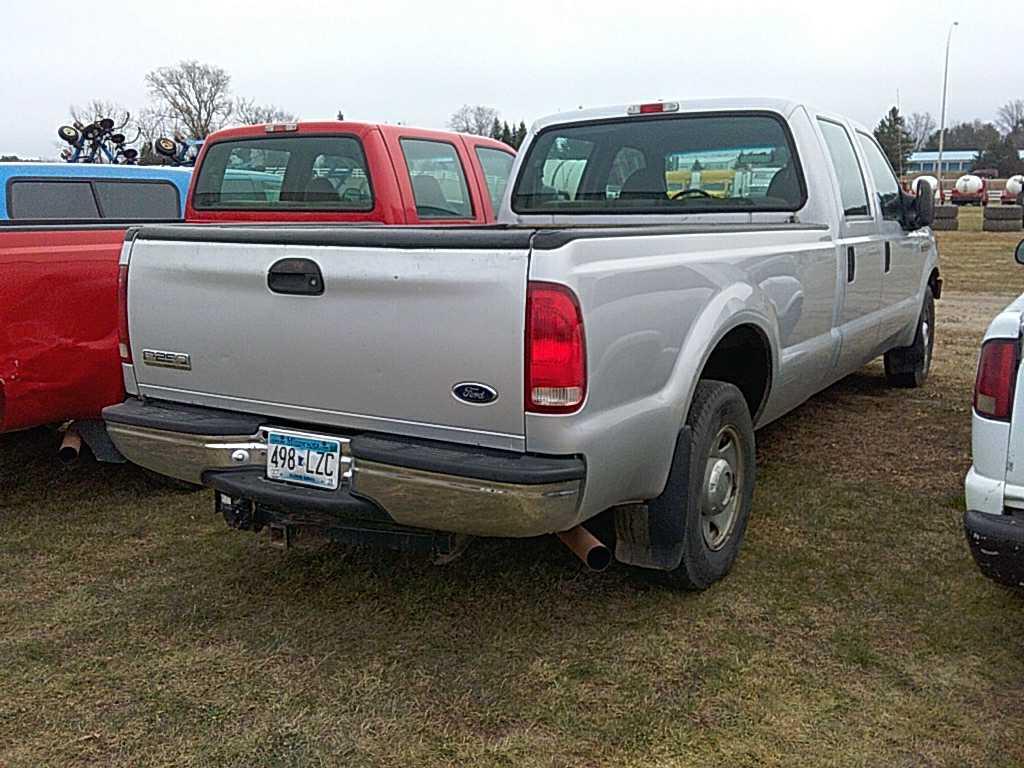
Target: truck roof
<point>337,127</point>
<point>781,106</point>
<point>94,170</point>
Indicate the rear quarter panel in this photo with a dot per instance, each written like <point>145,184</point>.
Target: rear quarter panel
<point>653,308</point>
<point>58,323</point>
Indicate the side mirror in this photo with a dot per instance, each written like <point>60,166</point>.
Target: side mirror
<point>1018,255</point>
<point>924,205</point>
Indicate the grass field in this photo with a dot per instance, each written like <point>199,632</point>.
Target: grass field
<point>136,630</point>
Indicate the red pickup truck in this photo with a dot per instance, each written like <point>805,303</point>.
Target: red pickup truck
<point>58,295</point>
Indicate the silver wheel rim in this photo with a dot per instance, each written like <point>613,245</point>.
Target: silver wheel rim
<point>720,494</point>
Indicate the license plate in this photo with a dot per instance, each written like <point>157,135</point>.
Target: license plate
<point>294,457</point>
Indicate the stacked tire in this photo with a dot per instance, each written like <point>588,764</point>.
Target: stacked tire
<point>946,218</point>
<point>1003,218</point>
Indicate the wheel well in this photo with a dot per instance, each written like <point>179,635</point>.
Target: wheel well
<point>743,358</point>
<point>936,283</point>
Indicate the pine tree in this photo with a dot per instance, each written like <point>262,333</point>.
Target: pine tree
<point>520,134</point>
<point>895,139</point>
<point>1002,155</point>
<point>506,135</point>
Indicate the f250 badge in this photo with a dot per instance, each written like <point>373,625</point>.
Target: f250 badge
<point>474,393</point>
<point>162,359</point>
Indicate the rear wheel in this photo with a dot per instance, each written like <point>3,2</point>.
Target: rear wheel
<point>909,366</point>
<point>719,486</point>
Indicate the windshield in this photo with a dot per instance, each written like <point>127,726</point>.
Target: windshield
<point>313,173</point>
<point>696,163</point>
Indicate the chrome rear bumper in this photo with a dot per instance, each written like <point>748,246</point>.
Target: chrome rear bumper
<point>412,496</point>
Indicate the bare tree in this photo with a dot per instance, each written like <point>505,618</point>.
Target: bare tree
<point>920,126</point>
<point>96,109</point>
<point>476,119</point>
<point>195,96</point>
<point>1010,117</point>
<point>248,112</point>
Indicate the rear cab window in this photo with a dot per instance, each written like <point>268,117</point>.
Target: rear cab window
<point>87,199</point>
<point>689,163</point>
<point>437,178</point>
<point>293,173</point>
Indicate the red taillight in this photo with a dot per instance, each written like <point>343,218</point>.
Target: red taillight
<point>123,346</point>
<point>556,355</point>
<point>997,379</point>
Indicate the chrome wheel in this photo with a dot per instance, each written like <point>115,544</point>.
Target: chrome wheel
<point>720,497</point>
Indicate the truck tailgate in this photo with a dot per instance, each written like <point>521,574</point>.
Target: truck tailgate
<point>381,348</point>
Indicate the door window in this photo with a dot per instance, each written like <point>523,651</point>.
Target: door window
<point>438,181</point>
<point>497,167</point>
<point>852,190</point>
<point>885,179</point>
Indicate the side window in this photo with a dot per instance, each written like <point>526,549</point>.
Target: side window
<point>138,200</point>
<point>497,167</point>
<point>438,181</point>
<point>844,160</point>
<point>52,200</point>
<point>885,180</point>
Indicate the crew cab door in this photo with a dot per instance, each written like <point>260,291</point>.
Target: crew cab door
<point>434,174</point>
<point>492,166</point>
<point>861,251</point>
<point>905,252</point>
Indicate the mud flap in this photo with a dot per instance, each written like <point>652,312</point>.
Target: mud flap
<point>653,535</point>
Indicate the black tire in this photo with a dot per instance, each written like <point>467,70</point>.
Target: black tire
<point>908,367</point>
<point>946,225</point>
<point>718,409</point>
<point>1001,225</point>
<point>1003,213</point>
<point>946,211</point>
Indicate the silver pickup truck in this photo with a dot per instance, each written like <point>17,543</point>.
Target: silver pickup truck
<point>665,278</point>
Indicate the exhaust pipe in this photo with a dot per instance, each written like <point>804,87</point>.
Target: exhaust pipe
<point>70,446</point>
<point>587,548</point>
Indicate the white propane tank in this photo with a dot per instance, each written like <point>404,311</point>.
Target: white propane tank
<point>969,185</point>
<point>1015,184</point>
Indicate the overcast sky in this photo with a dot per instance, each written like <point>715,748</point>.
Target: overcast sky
<point>416,62</point>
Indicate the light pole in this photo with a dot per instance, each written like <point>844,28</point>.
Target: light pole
<point>942,113</point>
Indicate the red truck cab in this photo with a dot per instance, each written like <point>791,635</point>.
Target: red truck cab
<point>58,299</point>
<point>348,172</point>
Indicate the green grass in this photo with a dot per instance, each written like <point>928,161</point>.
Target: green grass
<point>136,630</point>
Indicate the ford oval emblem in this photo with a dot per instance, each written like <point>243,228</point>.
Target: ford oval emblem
<point>474,393</point>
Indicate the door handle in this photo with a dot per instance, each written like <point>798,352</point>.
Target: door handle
<point>851,264</point>
<point>296,277</point>
<point>888,256</point>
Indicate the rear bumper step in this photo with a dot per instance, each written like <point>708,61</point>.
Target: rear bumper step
<point>416,483</point>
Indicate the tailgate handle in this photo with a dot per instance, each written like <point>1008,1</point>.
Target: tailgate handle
<point>296,277</point>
